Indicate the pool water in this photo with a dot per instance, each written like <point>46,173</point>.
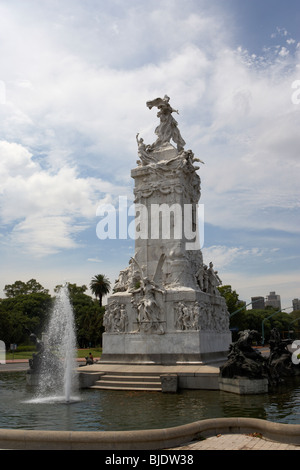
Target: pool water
<point>105,410</point>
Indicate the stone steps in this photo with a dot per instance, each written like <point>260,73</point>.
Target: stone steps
<point>129,381</point>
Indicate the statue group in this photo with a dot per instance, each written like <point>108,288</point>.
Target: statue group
<point>246,361</point>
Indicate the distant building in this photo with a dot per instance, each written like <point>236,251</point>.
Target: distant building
<point>273,300</point>
<point>258,302</point>
<point>296,304</point>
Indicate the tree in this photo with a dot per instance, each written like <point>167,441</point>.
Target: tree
<point>232,298</point>
<point>25,308</point>
<point>72,288</point>
<point>100,286</point>
<point>24,288</point>
<point>89,321</point>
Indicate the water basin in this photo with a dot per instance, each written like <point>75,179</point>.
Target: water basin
<point>103,410</point>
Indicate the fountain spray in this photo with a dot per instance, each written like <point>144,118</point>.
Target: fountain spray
<point>58,376</point>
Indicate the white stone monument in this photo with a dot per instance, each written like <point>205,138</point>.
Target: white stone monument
<point>166,307</point>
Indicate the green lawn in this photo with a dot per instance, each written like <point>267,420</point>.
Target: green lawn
<point>81,353</point>
<point>96,352</point>
<point>19,354</point>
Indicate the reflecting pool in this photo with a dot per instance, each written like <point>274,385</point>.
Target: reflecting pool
<point>104,410</point>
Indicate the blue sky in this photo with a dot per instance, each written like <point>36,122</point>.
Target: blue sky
<point>74,80</point>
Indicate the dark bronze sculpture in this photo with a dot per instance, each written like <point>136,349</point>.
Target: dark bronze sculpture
<point>245,361</point>
<point>35,362</point>
<point>44,359</point>
<point>280,362</point>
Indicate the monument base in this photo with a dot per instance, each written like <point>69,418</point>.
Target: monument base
<point>184,347</point>
<point>243,385</point>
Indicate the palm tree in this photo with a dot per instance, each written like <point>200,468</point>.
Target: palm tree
<point>100,286</point>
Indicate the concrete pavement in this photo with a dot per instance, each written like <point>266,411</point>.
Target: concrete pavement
<point>236,442</point>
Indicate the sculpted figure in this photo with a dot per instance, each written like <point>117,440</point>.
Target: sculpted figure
<point>143,154</point>
<point>167,128</point>
<point>202,277</point>
<point>128,278</point>
<point>280,359</point>
<point>187,318</point>
<point>121,283</point>
<point>243,360</point>
<point>187,163</point>
<point>196,316</point>
<point>178,316</point>
<point>123,320</point>
<point>213,279</point>
<point>115,318</point>
<point>148,308</point>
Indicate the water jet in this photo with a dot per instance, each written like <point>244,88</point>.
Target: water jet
<point>53,369</point>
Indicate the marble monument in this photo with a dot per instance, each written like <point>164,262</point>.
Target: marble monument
<point>165,307</point>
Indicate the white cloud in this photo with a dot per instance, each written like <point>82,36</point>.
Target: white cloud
<point>224,257</point>
<point>283,52</point>
<point>231,263</point>
<point>76,83</point>
<point>47,209</point>
<point>284,283</point>
<point>41,235</point>
<point>14,159</point>
<point>251,147</point>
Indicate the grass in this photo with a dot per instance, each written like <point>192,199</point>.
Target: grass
<point>81,353</point>
<point>19,354</point>
<point>96,352</point>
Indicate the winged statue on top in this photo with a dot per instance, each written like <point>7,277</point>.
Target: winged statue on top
<point>168,127</point>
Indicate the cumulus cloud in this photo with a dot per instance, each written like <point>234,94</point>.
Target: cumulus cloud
<point>47,209</point>
<point>253,141</point>
<point>226,256</point>
<point>77,80</point>
<point>42,235</point>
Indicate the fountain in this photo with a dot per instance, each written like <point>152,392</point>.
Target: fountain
<point>53,368</point>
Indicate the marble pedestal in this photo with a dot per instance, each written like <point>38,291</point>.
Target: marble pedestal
<point>185,347</point>
<point>199,339</point>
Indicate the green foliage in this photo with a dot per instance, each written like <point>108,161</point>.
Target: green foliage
<point>88,318</point>
<point>256,319</point>
<point>27,307</point>
<point>100,286</point>
<point>259,320</point>
<point>232,298</point>
<point>24,288</point>
<point>73,289</point>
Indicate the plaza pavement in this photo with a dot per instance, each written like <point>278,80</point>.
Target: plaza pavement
<point>236,442</point>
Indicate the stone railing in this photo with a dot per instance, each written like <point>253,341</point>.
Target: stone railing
<point>152,439</point>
